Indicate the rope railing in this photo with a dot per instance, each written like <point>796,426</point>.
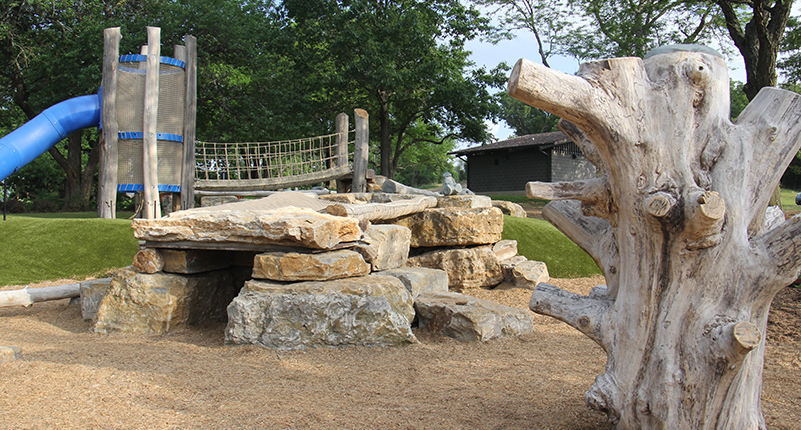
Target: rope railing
<point>265,166</point>
<point>259,160</point>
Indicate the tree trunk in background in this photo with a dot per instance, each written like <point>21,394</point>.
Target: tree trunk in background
<point>79,179</point>
<point>678,225</point>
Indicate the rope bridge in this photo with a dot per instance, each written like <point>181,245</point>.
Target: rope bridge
<point>249,166</point>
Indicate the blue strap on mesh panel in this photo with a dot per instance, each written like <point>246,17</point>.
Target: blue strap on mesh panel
<point>138,135</point>
<point>138,58</point>
<point>138,188</point>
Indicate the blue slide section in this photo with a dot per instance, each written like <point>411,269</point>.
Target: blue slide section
<point>22,145</point>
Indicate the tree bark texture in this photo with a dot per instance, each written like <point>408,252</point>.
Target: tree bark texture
<point>759,40</point>
<point>677,224</point>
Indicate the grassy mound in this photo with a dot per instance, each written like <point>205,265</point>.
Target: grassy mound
<point>539,240</point>
<point>39,248</point>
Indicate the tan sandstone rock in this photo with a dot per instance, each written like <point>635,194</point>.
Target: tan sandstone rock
<point>155,303</point>
<point>453,226</point>
<point>148,260</point>
<point>285,226</point>
<point>366,311</point>
<point>505,249</point>
<point>466,267</point>
<point>469,319</point>
<point>323,266</point>
<point>510,208</point>
<point>389,246</point>
<point>523,273</point>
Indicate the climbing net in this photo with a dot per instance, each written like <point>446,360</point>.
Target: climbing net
<point>259,160</point>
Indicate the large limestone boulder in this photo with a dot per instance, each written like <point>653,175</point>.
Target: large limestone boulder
<point>286,226</point>
<point>420,280</point>
<point>466,267</point>
<point>155,303</point>
<point>366,311</point>
<point>323,266</point>
<point>453,226</point>
<point>469,319</point>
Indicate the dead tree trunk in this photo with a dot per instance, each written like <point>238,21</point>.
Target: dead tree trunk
<point>678,225</point>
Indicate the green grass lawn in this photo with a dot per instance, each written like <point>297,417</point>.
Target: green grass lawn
<point>539,240</point>
<point>788,201</point>
<point>40,247</point>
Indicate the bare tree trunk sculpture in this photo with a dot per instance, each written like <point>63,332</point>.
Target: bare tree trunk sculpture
<point>677,223</point>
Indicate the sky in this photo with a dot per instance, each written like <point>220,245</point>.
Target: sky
<point>525,46</point>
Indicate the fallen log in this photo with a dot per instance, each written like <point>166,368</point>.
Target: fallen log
<point>29,296</point>
<point>390,186</point>
<point>379,211</point>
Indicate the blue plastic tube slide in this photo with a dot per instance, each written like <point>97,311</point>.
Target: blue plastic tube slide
<point>36,136</point>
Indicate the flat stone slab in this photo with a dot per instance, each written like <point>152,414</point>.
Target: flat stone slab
<point>365,311</point>
<point>453,226</point>
<point>420,280</point>
<point>287,226</point>
<point>323,266</point>
<point>469,319</point>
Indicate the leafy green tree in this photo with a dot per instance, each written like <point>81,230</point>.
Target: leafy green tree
<point>594,29</point>
<point>403,61</point>
<point>425,162</point>
<point>547,20</point>
<point>524,119</point>
<point>757,29</point>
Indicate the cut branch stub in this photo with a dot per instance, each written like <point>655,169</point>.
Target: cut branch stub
<point>660,204</point>
<point>705,212</point>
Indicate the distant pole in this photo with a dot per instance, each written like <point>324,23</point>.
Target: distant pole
<point>5,199</point>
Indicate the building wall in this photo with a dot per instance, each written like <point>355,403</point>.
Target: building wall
<point>506,171</point>
<point>570,167</point>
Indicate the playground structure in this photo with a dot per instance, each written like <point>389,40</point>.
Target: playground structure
<point>250,167</point>
<point>148,122</point>
<point>146,110</point>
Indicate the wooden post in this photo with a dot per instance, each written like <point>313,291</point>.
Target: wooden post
<point>107,199</point>
<point>152,207</point>
<point>188,54</point>
<point>342,147</point>
<point>188,173</point>
<point>361,151</point>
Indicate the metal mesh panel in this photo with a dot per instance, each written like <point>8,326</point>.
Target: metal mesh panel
<point>131,98</point>
<point>129,167</point>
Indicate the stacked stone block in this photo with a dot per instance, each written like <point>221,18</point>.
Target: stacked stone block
<point>293,278</point>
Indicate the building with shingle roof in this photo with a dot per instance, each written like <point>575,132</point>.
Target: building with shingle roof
<point>509,164</point>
